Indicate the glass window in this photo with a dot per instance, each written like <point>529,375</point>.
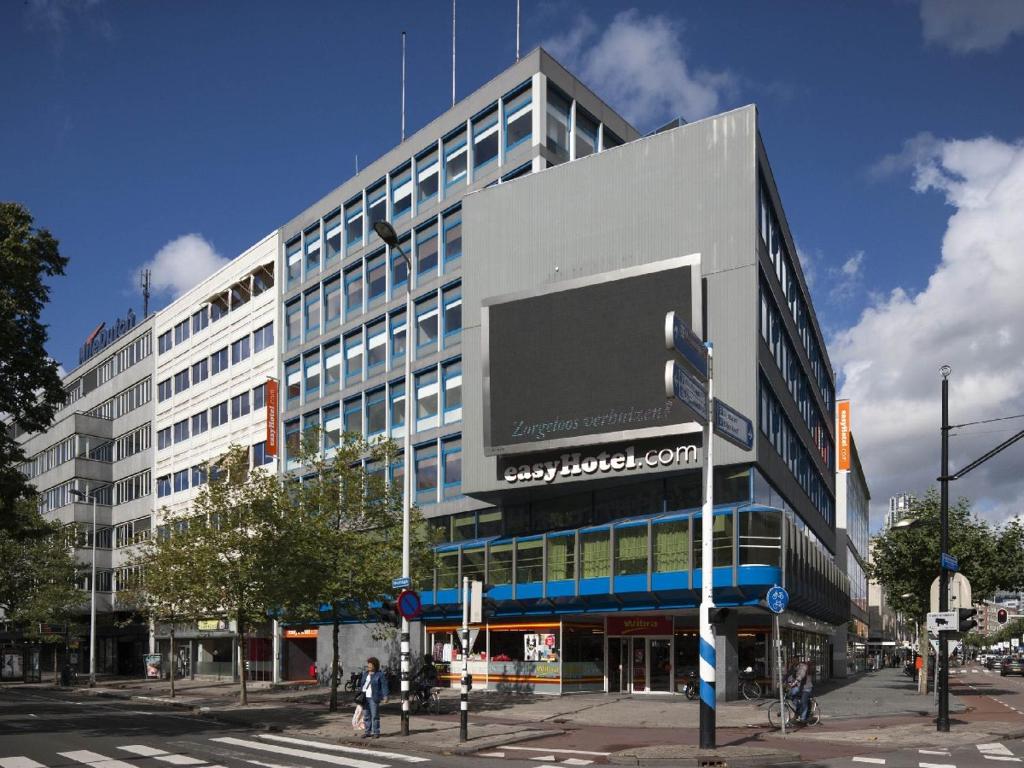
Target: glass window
<point>292,442</point>
<point>473,563</point>
<point>181,431</point>
<point>452,236</point>
<point>354,225</point>
<point>609,139</point>
<point>262,279</point>
<point>198,475</point>
<point>451,467</point>
<point>312,312</point>
<point>312,239</point>
<point>631,550</point>
<point>332,237</point>
<point>240,294</point>
<point>399,265</point>
<point>293,323</point>
<point>397,337</point>
<point>219,414</point>
<point>594,560</point>
<point>721,541</point>
<point>181,480</point>
<point>376,412</point>
<point>293,260</point>
<point>426,323</point>
<point>239,350</point>
<point>586,134</point>
<point>760,538</point>
<point>354,415</point>
<point>426,176</point>
<point>181,381</point>
<point>558,124</point>
<point>163,438</point>
<point>426,251</point>
<point>376,278</point>
<point>332,302</point>
<point>219,361</point>
<point>485,139</point>
<point>426,473</point>
<point>452,320</point>
<point>376,205</point>
<point>448,570</point>
<point>401,192</point>
<point>200,320</point>
<point>240,405</point>
<point>260,455</point>
<point>452,391</point>
<point>181,332</point>
<point>164,342</point>
<point>200,423</point>
<point>354,357</point>
<point>671,544</point>
<point>311,368</point>
<point>332,366</point>
<point>200,371</point>
<point>455,159</point>
<point>293,382</point>
<point>561,558</point>
<point>218,307</point>
<point>259,397</point>
<point>426,399</point>
<point>397,407</point>
<point>529,561</point>
<point>332,427</point>
<point>163,390</point>
<point>163,486</point>
<point>499,564</point>
<point>518,117</point>
<point>376,345</point>
<point>263,338</point>
<point>354,290</point>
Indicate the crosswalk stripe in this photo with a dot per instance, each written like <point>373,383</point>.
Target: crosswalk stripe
<point>544,758</point>
<point>491,754</point>
<point>934,752</point>
<point>576,761</point>
<point>1004,758</point>
<point>875,760</point>
<point>333,759</point>
<point>19,762</point>
<point>995,748</point>
<point>340,748</point>
<point>558,751</point>
<point>158,754</point>
<point>935,765</point>
<point>94,759</point>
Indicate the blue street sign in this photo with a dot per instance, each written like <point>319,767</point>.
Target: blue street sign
<point>949,562</point>
<point>409,605</point>
<point>777,599</point>
<point>685,387</point>
<point>402,582</point>
<point>679,337</point>
<point>733,426</point>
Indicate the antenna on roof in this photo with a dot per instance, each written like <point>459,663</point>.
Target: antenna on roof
<point>357,165</point>
<point>403,86</point>
<point>453,53</point>
<point>145,293</point>
<point>517,30</point>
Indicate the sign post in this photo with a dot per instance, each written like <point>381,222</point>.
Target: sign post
<point>777,600</point>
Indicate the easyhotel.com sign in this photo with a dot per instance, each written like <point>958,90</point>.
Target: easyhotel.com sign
<point>575,465</point>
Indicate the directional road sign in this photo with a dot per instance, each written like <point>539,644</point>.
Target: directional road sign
<point>943,621</point>
<point>402,582</point>
<point>679,337</point>
<point>949,562</point>
<point>684,386</point>
<point>409,605</point>
<point>777,599</point>
<point>733,426</point>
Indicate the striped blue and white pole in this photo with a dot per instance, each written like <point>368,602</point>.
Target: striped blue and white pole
<point>707,635</point>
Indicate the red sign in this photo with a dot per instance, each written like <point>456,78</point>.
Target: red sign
<point>271,417</point>
<point>639,625</point>
<point>843,437</point>
<point>409,605</point>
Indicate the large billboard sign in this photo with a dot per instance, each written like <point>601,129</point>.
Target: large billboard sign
<point>576,363</point>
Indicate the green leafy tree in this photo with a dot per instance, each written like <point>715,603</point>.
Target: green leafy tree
<point>350,543</point>
<point>30,387</point>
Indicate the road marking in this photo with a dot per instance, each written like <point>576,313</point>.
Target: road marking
<point>19,762</point>
<point>333,759</point>
<point>559,751</point>
<point>875,760</point>
<point>491,754</point>
<point>94,759</point>
<point>340,748</point>
<point>158,754</point>
<point>267,765</point>
<point>576,761</point>
<point>1005,758</point>
<point>935,765</point>
<point>995,748</point>
<point>545,758</point>
<point>934,751</point>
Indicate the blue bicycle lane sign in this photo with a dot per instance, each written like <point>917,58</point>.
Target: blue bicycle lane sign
<point>777,599</point>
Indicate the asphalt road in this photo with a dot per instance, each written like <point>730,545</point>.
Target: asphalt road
<point>54,729</point>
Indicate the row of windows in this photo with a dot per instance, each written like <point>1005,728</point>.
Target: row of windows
<point>262,338</point>
<point>132,532</point>
<point>571,132</point>
<point>773,333</point>
<point>772,237</point>
<point>50,457</point>
<point>235,297</point>
<point>199,474</point>
<point>123,402</point>
<point>777,428</point>
<point>60,495</point>
<point>375,347</point>
<point>88,447</point>
<point>370,281</point>
<point>134,487</point>
<point>133,442</point>
<point>215,416</point>
<point>120,361</point>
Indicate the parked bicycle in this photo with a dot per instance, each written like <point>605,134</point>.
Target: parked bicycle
<point>692,686</point>
<point>750,688</point>
<point>426,701</point>
<point>353,682</point>
<point>792,707</point>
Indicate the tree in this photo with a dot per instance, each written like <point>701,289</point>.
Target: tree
<point>38,575</point>
<point>30,387</point>
<point>351,539</point>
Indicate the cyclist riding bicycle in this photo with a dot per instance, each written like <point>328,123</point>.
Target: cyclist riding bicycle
<point>800,683</point>
<point>426,678</point>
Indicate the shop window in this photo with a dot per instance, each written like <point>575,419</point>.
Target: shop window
<point>594,554</point>
<point>426,251</point>
<point>721,541</point>
<point>332,237</point>
<point>332,367</point>
<point>559,123</point>
<point>426,176</point>
<point>561,558</point>
<point>485,139</point>
<point>760,541</point>
<point>293,260</point>
<point>312,240</point>
<point>499,564</point>
<point>473,563</point>
<point>529,561</point>
<point>631,550</point>
<point>401,192</point>
<point>671,545</point>
<point>354,225</point>
<point>518,117</point>
<point>448,570</point>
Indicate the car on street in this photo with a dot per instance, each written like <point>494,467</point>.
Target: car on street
<point>990,661</point>
<point>1012,665</point>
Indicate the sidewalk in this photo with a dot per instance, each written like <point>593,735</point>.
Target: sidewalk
<point>874,710</point>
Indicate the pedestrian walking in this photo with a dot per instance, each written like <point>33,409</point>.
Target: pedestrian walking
<point>373,691</point>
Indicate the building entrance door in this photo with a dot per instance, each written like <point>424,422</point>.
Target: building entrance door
<point>619,669</point>
<point>659,658</point>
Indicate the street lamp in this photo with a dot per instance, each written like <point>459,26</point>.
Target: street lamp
<point>387,233</point>
<point>92,589</point>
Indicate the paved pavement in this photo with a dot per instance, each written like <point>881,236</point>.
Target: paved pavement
<point>986,755</point>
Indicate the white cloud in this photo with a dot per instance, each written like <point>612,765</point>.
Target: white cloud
<point>851,267</point>
<point>183,263</point>
<point>969,316</point>
<point>966,26</point>
<point>638,65</point>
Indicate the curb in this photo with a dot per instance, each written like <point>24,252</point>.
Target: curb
<point>719,758</point>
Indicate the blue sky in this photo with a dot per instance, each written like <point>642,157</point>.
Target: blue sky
<point>130,125</point>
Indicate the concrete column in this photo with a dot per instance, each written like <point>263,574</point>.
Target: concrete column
<point>839,639</point>
<point>726,659</point>
<point>277,652</point>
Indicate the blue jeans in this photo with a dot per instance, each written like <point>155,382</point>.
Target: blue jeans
<point>803,709</point>
<point>371,717</point>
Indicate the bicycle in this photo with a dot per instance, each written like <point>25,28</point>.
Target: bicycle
<point>428,701</point>
<point>691,687</point>
<point>792,702</point>
<point>750,689</point>
<point>353,682</point>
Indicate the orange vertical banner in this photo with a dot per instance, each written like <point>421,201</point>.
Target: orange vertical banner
<point>272,417</point>
<point>843,435</point>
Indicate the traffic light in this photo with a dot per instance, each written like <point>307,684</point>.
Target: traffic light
<point>1002,616</point>
<point>967,621</point>
<point>388,614</point>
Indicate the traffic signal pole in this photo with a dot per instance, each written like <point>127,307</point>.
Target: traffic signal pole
<point>942,658</point>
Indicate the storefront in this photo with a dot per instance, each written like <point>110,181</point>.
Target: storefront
<point>300,653</point>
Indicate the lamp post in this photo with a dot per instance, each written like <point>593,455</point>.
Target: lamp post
<point>92,589</point>
<point>942,658</point>
<point>387,233</point>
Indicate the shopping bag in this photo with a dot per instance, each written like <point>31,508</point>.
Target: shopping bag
<point>357,719</point>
